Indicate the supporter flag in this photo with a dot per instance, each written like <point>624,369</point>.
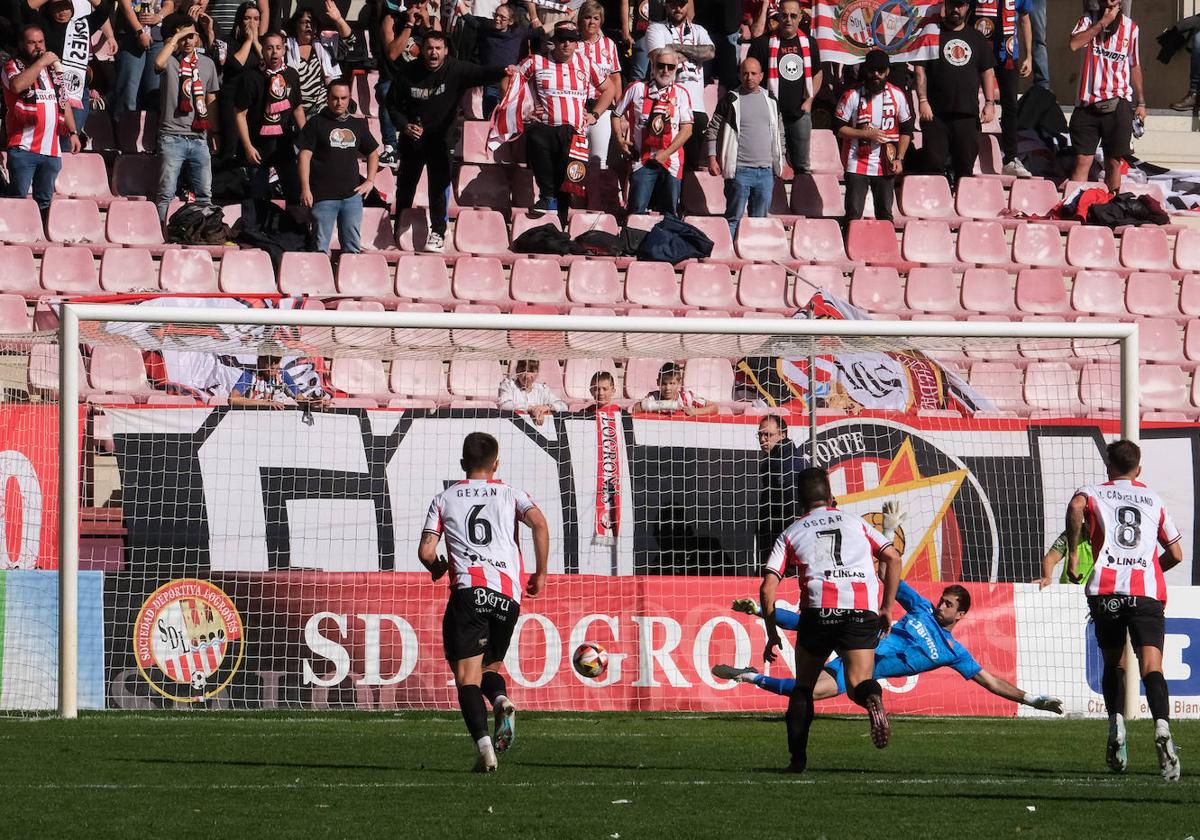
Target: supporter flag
<point>907,30</point>
<point>508,119</point>
<point>857,379</point>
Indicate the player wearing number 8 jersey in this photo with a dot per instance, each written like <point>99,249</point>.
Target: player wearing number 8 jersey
<point>479,518</point>
<point>841,607</point>
<point>1126,525</point>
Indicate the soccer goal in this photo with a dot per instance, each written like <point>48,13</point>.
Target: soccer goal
<point>267,544</point>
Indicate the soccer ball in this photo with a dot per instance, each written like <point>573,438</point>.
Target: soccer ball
<point>590,660</point>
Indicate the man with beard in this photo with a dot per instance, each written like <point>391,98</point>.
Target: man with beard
<point>35,116</point>
<point>875,124</point>
<point>1111,93</point>
<point>423,102</point>
<point>793,67</point>
<point>948,94</point>
<point>693,42</point>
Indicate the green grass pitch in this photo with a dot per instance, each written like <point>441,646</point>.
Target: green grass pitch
<point>617,776</point>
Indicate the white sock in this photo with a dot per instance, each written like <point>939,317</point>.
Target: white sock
<point>1162,728</point>
<point>500,701</point>
<point>1117,722</point>
<point>484,745</point>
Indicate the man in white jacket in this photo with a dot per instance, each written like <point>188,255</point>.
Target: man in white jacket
<point>745,143</point>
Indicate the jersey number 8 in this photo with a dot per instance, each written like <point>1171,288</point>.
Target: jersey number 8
<point>1129,530</point>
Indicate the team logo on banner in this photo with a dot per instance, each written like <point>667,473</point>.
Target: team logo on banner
<point>188,640</point>
<point>949,531</point>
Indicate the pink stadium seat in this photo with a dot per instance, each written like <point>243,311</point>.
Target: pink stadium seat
<point>537,343</point>
<point>480,280</point>
<point>763,287</point>
<point>873,242</point>
<point>14,314</point>
<point>423,277</point>
<point>709,285</point>
<point>1041,291</point>
<point>364,275</point>
<point>983,243</point>
<point>1033,196</point>
<point>1189,294</point>
<point>538,281</point>
<point>421,379</point>
<point>358,336</point>
<point>118,370</point>
<point>643,221</point>
<point>84,176</point>
<point>1159,340</point>
<point>819,241</point>
<point>1099,387</point>
<point>595,343</point>
<point>1098,293</point>
<point>1053,387</point>
<point>716,229</point>
<point>711,379</point>
<point>420,338</point>
<point>481,232</point>
<point>304,273</point>
<point>69,271</point>
<point>20,221</point>
<point>74,220</point>
<point>641,376</point>
<point>135,175</point>
<point>926,197</point>
<point>474,142</point>
<point>929,242</point>
<point>988,291</point>
<point>522,222</point>
<point>1152,293</point>
<point>1164,387</point>
<point>43,370</point>
<point>990,159</point>
<point>825,155</point>
<point>817,196</point>
<point>762,239</point>
<point>1191,341</point>
<point>1039,245</point>
<point>1187,250</point>
<point>594,282</point>
<point>877,289</point>
<point>375,233</point>
<point>134,223</point>
<point>981,198</point>
<point>581,223</point>
<point>472,103</point>
<point>1045,350</point>
<point>932,290</point>
<point>1089,246</point>
<point>491,340</point>
<point>810,278</point>
<point>127,270</point>
<point>652,284</point>
<point>362,378</point>
<point>187,270</point>
<point>577,376</point>
<point>702,194</point>
<point>1146,248</point>
<point>475,378</point>
<point>1002,383</point>
<point>483,186</point>
<point>247,271</point>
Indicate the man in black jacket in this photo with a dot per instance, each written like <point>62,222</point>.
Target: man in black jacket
<point>422,103</point>
<point>781,462</point>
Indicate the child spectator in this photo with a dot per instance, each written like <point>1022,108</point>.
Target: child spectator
<point>523,392</point>
<point>671,396</point>
<point>602,388</point>
<point>269,385</point>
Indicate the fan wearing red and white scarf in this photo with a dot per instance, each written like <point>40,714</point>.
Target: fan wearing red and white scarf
<point>191,93</point>
<point>773,64</point>
<point>990,14</point>
<point>656,114</point>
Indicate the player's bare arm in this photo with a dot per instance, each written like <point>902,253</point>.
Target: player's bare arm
<point>427,554</point>
<point>1003,688</point>
<point>1174,556</point>
<point>1049,563</point>
<point>536,521</point>
<point>766,597</point>
<point>1074,530</point>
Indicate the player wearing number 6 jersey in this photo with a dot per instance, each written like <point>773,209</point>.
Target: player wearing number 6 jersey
<point>1126,525</point>
<point>479,518</point>
<point>841,608</point>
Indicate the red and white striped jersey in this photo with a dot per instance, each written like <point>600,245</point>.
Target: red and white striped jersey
<point>887,110</point>
<point>637,107</point>
<point>1126,524</point>
<point>32,117</point>
<point>833,553</point>
<point>479,519</point>
<point>604,54</point>
<point>562,89</point>
<point>1108,62</point>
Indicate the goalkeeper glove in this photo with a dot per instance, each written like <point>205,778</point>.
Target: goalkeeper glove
<point>1045,702</point>
<point>893,518</point>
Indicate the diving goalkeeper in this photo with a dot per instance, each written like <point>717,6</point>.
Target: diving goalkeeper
<point>921,641</point>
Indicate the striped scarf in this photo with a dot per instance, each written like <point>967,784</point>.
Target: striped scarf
<point>658,107</point>
<point>191,93</point>
<point>987,12</point>
<point>773,65</point>
<point>276,102</point>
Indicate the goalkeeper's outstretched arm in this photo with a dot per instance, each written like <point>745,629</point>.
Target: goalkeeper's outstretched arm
<point>1005,689</point>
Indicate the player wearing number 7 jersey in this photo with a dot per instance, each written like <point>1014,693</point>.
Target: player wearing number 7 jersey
<point>1126,524</point>
<point>479,518</point>
<point>841,606</point>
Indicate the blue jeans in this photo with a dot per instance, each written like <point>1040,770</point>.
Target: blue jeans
<point>347,213</point>
<point>753,186</point>
<point>174,151</point>
<point>1041,59</point>
<point>81,116</point>
<point>642,184</point>
<point>386,127</point>
<point>29,169</point>
<point>136,78</point>
<point>641,58</point>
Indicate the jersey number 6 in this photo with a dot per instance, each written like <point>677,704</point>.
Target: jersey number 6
<point>479,530</point>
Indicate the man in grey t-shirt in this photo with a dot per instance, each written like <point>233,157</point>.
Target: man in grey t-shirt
<point>188,112</point>
<point>745,142</point>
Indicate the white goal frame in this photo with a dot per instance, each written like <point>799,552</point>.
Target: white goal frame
<point>70,376</point>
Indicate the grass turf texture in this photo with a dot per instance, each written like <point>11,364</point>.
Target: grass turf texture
<point>581,776</point>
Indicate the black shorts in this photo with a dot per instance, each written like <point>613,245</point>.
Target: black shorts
<point>1114,131</point>
<point>1113,615</point>
<point>478,621</point>
<point>821,632</point>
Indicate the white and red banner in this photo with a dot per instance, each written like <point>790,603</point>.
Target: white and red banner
<point>29,483</point>
<point>608,472</point>
<point>907,30</point>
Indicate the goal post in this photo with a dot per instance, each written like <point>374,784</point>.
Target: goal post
<point>406,334</point>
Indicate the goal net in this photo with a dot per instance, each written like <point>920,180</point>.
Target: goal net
<point>240,549</point>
